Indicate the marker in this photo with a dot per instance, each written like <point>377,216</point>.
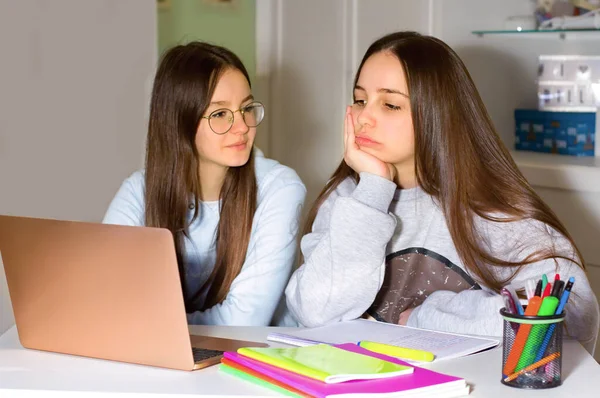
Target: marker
<point>534,366</point>
<point>547,291</point>
<point>544,282</point>
<point>509,302</point>
<point>548,307</point>
<point>537,334</point>
<point>561,306</point>
<point>521,338</point>
<point>557,288</point>
<point>398,352</point>
<point>515,298</point>
<point>530,288</point>
<point>538,289</point>
<point>565,296</point>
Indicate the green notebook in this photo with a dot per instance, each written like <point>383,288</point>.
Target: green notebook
<point>256,380</point>
<point>326,363</point>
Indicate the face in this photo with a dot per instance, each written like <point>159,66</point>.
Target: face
<point>233,148</point>
<point>381,112</point>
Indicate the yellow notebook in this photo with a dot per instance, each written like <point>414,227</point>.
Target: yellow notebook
<point>326,363</point>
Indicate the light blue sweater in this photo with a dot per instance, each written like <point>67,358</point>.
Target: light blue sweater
<point>257,290</point>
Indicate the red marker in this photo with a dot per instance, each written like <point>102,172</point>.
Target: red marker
<point>547,290</point>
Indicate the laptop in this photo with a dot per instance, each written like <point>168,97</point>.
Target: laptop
<point>102,291</point>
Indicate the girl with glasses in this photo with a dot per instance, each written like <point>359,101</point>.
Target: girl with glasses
<point>427,217</point>
<point>232,212</point>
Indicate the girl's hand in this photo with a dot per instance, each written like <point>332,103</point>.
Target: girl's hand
<point>404,316</point>
<point>359,160</point>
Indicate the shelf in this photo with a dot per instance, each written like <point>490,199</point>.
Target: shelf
<point>562,34</point>
<point>559,171</point>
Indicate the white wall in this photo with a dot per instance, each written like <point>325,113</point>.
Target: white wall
<point>75,79</point>
<point>307,84</point>
<point>376,18</point>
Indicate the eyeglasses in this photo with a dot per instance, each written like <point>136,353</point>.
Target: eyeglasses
<point>221,120</point>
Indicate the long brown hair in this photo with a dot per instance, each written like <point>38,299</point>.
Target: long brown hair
<point>459,158</point>
<point>183,87</point>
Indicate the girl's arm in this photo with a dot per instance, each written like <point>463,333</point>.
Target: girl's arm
<point>477,311</point>
<point>344,255</point>
<point>257,290</point>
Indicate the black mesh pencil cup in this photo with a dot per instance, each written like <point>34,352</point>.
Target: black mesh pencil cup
<point>532,350</point>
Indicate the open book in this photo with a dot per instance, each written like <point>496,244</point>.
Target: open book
<point>443,345</point>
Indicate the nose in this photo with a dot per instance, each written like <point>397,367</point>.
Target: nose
<point>364,117</point>
<point>238,126</point>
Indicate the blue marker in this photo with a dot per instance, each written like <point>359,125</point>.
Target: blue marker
<point>565,296</point>
<point>559,310</point>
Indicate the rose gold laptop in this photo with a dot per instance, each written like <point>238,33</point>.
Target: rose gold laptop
<point>102,291</point>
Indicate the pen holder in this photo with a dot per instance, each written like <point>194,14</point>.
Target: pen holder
<point>532,350</point>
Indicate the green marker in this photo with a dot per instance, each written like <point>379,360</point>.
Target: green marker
<point>537,333</point>
<point>544,282</point>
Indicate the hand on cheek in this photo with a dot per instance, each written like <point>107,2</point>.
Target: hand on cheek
<point>359,160</point>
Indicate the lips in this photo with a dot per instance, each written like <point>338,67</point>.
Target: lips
<point>239,146</point>
<point>364,141</point>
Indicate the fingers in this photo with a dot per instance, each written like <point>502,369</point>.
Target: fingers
<point>346,127</point>
<point>351,144</point>
<point>351,136</point>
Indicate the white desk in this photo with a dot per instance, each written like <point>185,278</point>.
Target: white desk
<point>25,371</point>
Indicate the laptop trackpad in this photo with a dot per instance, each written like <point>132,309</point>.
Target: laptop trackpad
<point>218,343</point>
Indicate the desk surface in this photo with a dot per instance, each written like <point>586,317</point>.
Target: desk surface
<point>54,375</point>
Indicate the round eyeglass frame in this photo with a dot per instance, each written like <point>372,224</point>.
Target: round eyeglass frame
<point>241,111</point>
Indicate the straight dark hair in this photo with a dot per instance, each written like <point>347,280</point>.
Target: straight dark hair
<point>459,158</point>
<point>183,87</point>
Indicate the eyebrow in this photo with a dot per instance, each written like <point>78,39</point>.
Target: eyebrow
<point>383,90</point>
<point>223,103</point>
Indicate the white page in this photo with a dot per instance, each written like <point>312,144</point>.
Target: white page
<point>442,345</point>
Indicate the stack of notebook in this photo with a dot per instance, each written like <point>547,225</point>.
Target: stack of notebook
<point>337,371</point>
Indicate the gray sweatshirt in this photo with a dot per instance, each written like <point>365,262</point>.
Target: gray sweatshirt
<point>379,250</point>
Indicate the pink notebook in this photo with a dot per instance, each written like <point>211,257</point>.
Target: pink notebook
<point>422,380</point>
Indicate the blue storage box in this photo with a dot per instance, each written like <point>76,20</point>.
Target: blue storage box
<point>565,133</point>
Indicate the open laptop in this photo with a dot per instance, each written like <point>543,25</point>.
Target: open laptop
<point>102,291</point>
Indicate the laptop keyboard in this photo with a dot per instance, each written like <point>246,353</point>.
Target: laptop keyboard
<point>200,354</point>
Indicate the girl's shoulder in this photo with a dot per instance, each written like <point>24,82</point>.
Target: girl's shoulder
<point>503,234</point>
<point>137,178</point>
<point>272,175</point>
<point>344,189</point>
<point>500,225</point>
<point>134,184</point>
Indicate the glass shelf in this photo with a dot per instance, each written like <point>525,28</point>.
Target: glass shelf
<point>562,33</point>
